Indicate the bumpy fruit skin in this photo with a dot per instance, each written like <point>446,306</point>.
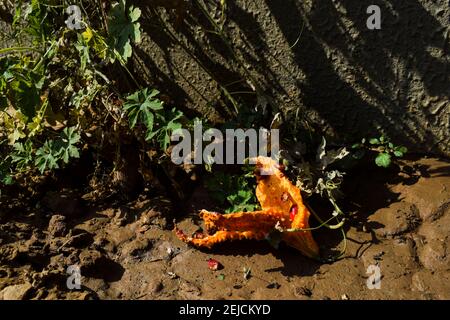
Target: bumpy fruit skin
<point>281,203</point>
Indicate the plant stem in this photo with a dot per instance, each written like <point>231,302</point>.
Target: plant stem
<point>18,49</point>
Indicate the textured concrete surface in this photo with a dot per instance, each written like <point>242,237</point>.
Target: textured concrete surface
<point>315,56</point>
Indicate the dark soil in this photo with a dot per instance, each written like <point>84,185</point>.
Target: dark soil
<point>400,222</point>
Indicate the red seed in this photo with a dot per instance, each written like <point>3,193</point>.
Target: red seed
<point>213,264</point>
<point>293,212</point>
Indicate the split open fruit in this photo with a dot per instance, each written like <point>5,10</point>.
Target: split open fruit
<point>281,204</point>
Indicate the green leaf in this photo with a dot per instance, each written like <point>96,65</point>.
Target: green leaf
<point>166,141</point>
<point>155,105</point>
<point>151,134</point>
<point>67,148</point>
<point>383,160</point>
<point>46,157</point>
<point>83,50</point>
<point>153,94</point>
<point>401,149</point>
<point>140,106</point>
<point>70,136</point>
<point>26,97</point>
<point>374,141</point>
<point>7,179</point>
<point>123,28</point>
<point>5,175</point>
<point>235,192</point>
<point>22,154</point>
<point>133,116</point>
<point>134,97</point>
<point>148,119</point>
<point>143,107</point>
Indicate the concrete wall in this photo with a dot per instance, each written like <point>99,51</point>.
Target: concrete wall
<point>315,56</point>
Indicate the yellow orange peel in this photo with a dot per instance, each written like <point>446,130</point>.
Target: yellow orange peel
<point>281,207</point>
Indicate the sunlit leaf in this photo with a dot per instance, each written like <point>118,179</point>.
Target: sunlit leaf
<point>383,160</point>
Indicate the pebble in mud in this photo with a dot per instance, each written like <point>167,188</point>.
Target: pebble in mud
<point>15,292</point>
<point>89,259</point>
<point>57,226</point>
<point>433,256</point>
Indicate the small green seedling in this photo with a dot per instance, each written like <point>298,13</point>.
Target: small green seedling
<point>387,151</point>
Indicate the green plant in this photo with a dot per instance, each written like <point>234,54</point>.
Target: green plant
<point>22,155</point>
<point>386,150</point>
<point>236,193</point>
<point>67,144</point>
<point>143,107</point>
<point>46,157</point>
<point>49,155</point>
<point>124,27</point>
<point>20,84</point>
<point>57,82</point>
<point>5,175</point>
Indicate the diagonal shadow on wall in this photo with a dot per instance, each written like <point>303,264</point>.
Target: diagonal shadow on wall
<point>353,81</point>
<point>382,61</point>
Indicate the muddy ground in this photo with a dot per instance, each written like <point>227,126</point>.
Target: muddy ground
<point>400,222</point>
